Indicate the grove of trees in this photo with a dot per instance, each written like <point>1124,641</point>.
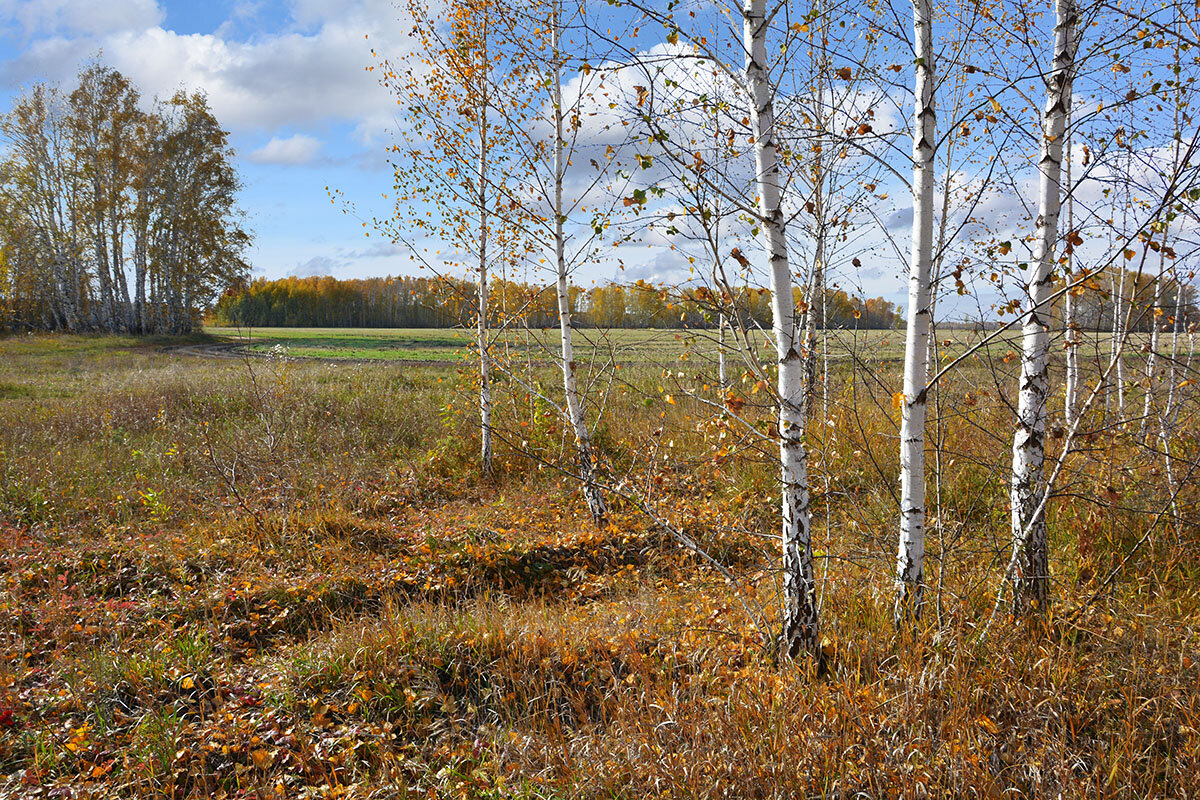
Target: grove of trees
<point>114,218</point>
<point>1033,163</point>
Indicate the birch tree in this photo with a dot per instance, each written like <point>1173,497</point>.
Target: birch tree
<point>455,155</point>
<point>910,561</point>
<point>800,624</point>
<point>1030,578</point>
<point>550,145</point>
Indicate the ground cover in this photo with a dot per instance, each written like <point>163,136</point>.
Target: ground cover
<point>269,578</point>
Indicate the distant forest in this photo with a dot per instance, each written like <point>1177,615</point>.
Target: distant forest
<point>406,302</point>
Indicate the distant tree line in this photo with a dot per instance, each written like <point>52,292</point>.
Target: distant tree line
<point>113,218</point>
<point>408,302</point>
<point>1113,294</point>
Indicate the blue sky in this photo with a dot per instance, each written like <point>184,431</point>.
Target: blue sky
<point>286,77</point>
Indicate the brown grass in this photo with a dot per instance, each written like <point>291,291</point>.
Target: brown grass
<point>287,580</point>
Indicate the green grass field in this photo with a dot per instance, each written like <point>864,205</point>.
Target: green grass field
<point>627,347</point>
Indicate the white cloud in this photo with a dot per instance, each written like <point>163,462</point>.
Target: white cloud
<point>297,149</point>
<point>317,265</point>
<point>260,84</point>
<point>83,17</point>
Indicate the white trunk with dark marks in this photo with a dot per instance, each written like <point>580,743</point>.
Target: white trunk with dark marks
<point>1031,576</point>
<point>910,560</point>
<point>575,415</point>
<point>800,624</point>
<point>485,388</point>
<point>1071,329</point>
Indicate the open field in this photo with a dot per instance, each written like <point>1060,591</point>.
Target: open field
<point>622,346</point>
<point>267,578</point>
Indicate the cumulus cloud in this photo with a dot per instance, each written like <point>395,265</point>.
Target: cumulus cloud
<point>287,78</point>
<point>378,250</point>
<point>297,149</point>
<point>80,17</point>
<point>317,265</point>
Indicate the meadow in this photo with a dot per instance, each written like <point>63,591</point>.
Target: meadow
<point>625,346</point>
<point>274,577</point>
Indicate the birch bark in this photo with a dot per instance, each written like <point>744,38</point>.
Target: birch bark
<point>910,560</point>
<point>1071,329</point>
<point>800,624</point>
<point>575,415</point>
<point>485,389</point>
<point>1031,577</point>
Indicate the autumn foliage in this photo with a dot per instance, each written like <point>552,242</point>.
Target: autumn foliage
<point>281,579</point>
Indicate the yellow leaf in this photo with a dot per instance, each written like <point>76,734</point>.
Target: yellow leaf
<point>262,758</point>
<point>995,105</point>
<point>1129,254</point>
<point>898,400</point>
<point>670,400</point>
<point>988,725</point>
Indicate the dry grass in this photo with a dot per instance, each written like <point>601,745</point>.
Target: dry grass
<point>286,580</point>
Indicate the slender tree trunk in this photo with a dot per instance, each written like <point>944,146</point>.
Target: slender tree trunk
<point>815,291</point>
<point>107,303</point>
<point>800,624</point>
<point>1156,312</point>
<point>1118,334</point>
<point>722,375</point>
<point>1031,577</point>
<point>575,414</point>
<point>485,389</point>
<point>1070,328</point>
<point>139,280</point>
<point>910,560</point>
<point>816,287</point>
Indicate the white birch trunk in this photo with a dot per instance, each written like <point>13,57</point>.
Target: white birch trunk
<point>722,374</point>
<point>1071,330</point>
<point>816,290</point>
<point>800,624</point>
<point>1071,378</point>
<point>575,415</point>
<point>1071,393</point>
<point>910,560</point>
<point>1031,577</point>
<point>1118,335</point>
<point>1166,425</point>
<point>485,389</point>
<point>1152,357</point>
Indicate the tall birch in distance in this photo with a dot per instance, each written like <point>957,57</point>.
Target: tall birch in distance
<point>454,152</point>
<point>1031,576</point>
<point>575,413</point>
<point>910,561</point>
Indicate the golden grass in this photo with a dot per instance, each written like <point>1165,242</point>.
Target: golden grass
<point>287,580</point>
